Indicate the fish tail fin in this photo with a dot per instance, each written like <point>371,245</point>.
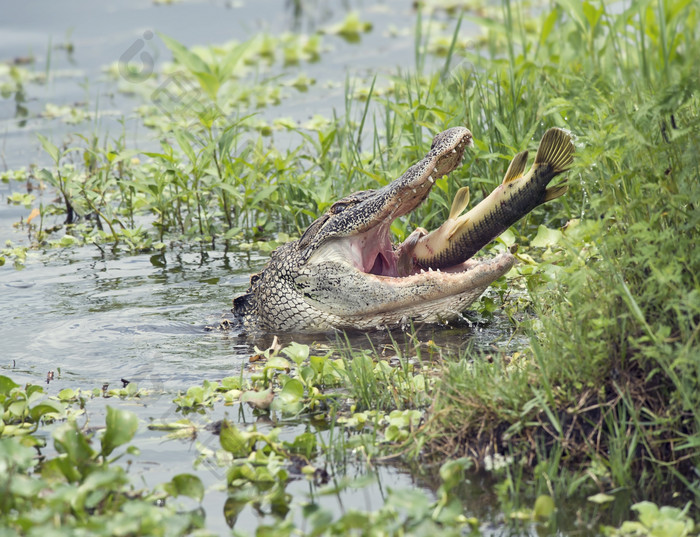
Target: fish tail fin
<point>556,150</point>
<point>516,168</point>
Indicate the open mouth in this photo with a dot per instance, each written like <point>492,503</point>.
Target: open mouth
<point>373,251</point>
<point>395,283</point>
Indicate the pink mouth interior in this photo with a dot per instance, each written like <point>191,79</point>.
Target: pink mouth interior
<point>374,253</point>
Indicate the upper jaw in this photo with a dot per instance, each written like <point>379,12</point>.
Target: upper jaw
<point>367,245</point>
<point>401,196</point>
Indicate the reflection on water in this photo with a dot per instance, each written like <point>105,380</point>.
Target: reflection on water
<point>101,319</point>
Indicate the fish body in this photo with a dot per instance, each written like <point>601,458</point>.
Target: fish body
<point>460,237</point>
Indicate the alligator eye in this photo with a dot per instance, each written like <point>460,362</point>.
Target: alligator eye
<point>338,207</point>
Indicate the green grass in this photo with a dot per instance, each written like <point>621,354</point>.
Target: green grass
<point>612,379</point>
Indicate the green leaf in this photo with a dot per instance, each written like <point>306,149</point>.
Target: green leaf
<point>297,352</point>
<point>184,56</point>
<point>209,83</point>
<point>591,13</point>
<point>317,363</point>
<point>230,383</point>
<point>50,148</point>
<point>546,237</point>
<point>7,385</point>
<point>184,140</point>
<point>292,392</point>
<point>601,498</point>
<point>226,139</point>
<point>235,441</point>
<point>15,455</point>
<point>262,194</point>
<point>44,408</point>
<point>548,25</point>
<point>96,486</point>
<point>66,394</point>
<point>185,485</point>
<point>544,507</point>
<point>648,513</point>
<point>234,55</point>
<point>71,441</point>
<point>452,473</point>
<point>305,444</point>
<point>121,427</point>
<point>574,9</point>
<point>278,362</point>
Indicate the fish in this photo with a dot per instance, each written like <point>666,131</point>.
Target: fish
<point>463,235</point>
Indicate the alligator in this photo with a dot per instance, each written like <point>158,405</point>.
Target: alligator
<point>345,273</point>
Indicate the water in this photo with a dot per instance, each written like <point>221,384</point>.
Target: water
<point>90,318</point>
<point>94,320</point>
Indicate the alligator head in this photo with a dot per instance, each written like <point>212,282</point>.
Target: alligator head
<point>344,272</point>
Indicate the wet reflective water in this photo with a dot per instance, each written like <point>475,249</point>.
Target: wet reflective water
<point>149,317</point>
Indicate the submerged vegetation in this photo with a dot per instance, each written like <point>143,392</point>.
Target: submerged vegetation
<point>605,399</point>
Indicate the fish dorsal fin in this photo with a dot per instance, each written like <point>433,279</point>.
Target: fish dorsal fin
<point>516,168</point>
<point>460,202</point>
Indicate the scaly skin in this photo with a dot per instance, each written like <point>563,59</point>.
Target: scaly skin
<point>344,272</point>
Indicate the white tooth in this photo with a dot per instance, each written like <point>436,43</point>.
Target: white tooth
<point>438,270</point>
<point>430,269</point>
<point>414,190</point>
<point>422,271</point>
<point>454,150</point>
<point>430,178</point>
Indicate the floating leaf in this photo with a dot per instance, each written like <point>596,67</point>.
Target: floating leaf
<point>297,352</point>
<point>235,441</point>
<point>261,400</point>
<point>292,392</point>
<point>185,485</point>
<point>304,444</point>
<point>7,385</point>
<point>121,427</point>
<point>45,408</point>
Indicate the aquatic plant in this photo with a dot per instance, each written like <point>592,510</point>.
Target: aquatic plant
<point>79,488</point>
